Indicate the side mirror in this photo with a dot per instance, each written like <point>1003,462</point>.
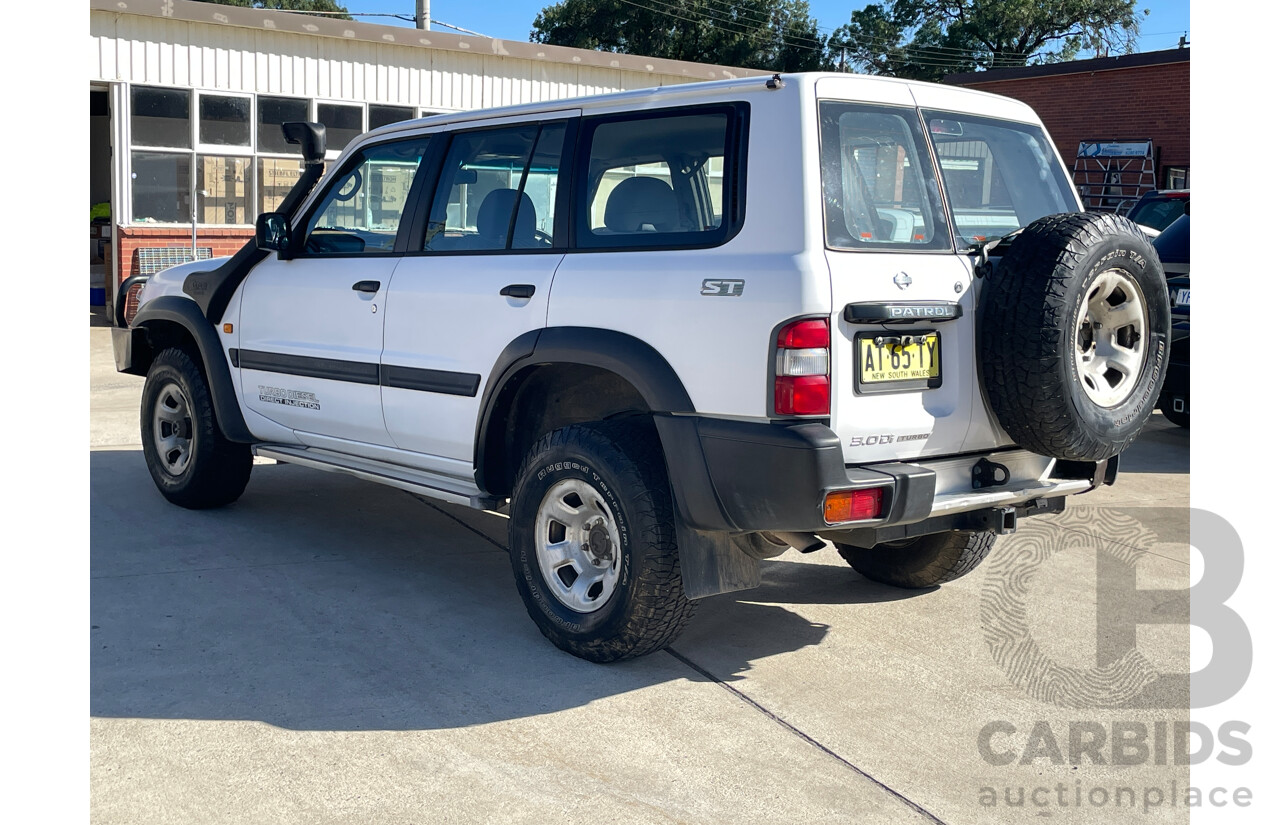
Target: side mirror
<point>273,233</point>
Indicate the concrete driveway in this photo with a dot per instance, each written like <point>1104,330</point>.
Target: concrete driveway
<point>328,650</point>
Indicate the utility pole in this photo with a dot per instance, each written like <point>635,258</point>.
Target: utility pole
<point>422,16</point>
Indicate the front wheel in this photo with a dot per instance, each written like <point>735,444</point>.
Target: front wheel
<point>924,561</point>
<point>191,461</point>
<point>593,546</point>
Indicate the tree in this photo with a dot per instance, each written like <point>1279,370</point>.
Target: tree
<point>757,34</point>
<point>289,5</point>
<point>929,39</point>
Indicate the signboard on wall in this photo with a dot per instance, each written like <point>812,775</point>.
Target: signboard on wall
<point>1114,149</point>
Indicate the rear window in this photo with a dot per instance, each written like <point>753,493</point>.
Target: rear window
<point>998,175</point>
<point>1159,212</point>
<point>878,186</point>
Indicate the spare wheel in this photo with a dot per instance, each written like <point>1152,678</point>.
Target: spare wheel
<point>1073,335</point>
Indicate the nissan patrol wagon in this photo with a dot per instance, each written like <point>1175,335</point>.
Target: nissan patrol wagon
<point>673,332</point>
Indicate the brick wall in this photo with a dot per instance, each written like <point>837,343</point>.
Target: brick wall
<point>1133,103</point>
<point>128,240</point>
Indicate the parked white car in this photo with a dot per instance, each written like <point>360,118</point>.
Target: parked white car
<point>673,332</point>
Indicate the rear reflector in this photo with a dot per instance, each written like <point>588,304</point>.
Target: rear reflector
<point>853,505</point>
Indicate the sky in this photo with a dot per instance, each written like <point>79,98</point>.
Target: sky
<point>512,19</point>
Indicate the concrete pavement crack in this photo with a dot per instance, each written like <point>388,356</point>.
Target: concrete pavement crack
<point>448,515</point>
<point>806,737</point>
<point>742,696</point>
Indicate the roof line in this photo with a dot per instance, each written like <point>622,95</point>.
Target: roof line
<point>1093,64</point>
<point>309,25</point>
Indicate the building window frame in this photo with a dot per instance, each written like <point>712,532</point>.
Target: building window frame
<point>195,150</point>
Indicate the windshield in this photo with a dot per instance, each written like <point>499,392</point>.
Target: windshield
<point>1159,212</point>
<point>998,175</point>
<point>878,186</point>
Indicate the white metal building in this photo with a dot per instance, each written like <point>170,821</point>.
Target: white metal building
<point>186,100</point>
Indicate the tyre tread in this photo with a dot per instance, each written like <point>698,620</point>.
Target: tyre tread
<point>660,609</point>
<point>935,559</point>
<point>1020,354</point>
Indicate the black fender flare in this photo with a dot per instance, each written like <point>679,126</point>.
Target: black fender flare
<point>187,314</point>
<point>628,357</point>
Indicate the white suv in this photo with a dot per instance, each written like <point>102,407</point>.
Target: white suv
<point>674,332</point>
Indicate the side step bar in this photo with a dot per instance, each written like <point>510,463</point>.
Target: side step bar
<point>421,482</point>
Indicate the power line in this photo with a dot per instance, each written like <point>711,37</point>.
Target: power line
<point>729,27</point>
<point>923,55</point>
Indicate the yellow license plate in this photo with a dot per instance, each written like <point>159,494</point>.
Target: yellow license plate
<point>885,358</point>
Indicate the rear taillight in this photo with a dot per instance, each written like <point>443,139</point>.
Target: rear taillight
<point>802,382</point>
<point>853,505</point>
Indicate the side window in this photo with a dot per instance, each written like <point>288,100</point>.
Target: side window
<point>478,190</point>
<point>878,186</point>
<point>361,210</point>
<point>656,180</point>
<point>534,226</point>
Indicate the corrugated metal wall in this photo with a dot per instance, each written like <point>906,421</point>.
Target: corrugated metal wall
<point>137,49</point>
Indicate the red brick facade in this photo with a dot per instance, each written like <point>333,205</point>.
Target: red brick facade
<point>129,239</point>
<point>1132,97</point>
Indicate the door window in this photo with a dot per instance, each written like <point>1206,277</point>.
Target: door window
<point>878,187</point>
<point>361,210</point>
<point>999,175</point>
<point>497,191</point>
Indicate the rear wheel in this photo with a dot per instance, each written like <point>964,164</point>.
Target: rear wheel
<point>924,561</point>
<point>592,540</point>
<point>191,461</point>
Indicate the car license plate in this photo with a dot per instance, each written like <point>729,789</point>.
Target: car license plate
<point>884,359</point>
<point>1182,298</point>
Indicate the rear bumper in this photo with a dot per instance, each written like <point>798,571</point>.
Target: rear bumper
<point>746,477</point>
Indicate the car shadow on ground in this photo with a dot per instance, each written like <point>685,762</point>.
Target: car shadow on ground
<point>319,602</point>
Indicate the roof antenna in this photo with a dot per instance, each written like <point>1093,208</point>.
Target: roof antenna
<point>774,82</point>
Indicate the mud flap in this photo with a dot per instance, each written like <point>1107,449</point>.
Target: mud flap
<point>711,563</point>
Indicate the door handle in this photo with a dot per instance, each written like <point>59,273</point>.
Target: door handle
<point>518,290</point>
<point>367,286</point>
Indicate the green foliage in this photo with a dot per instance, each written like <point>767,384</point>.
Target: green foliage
<point>929,39</point>
<point>289,5</point>
<point>757,34</point>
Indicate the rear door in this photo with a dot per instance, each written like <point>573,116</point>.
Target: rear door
<point>902,359</point>
<point>475,277</point>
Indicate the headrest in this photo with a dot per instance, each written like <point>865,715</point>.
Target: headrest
<point>642,204</point>
<point>494,216</point>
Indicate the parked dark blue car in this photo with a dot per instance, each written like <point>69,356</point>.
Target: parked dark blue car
<point>1173,245</point>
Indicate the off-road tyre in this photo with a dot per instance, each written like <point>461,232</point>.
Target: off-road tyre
<point>622,462</point>
<point>214,471</point>
<point>921,562</point>
<point>1031,341</point>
